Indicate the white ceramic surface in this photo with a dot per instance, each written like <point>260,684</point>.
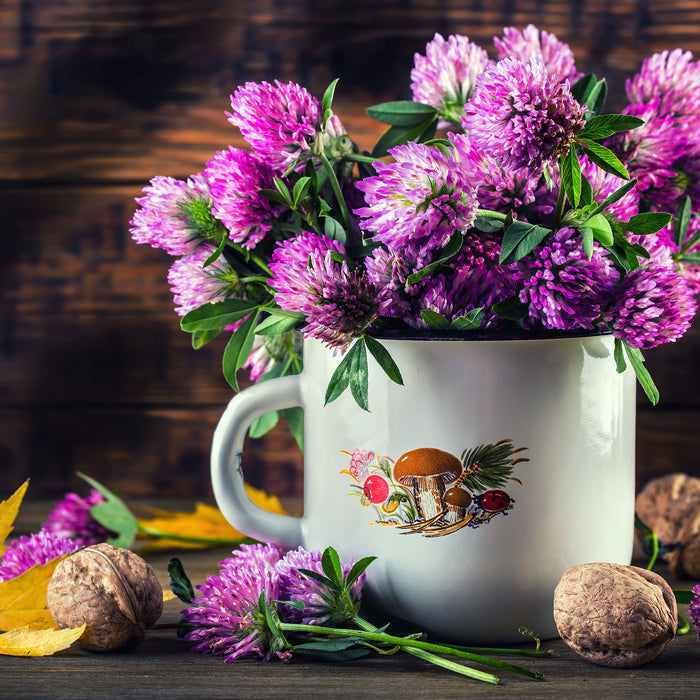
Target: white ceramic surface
<point>572,502</point>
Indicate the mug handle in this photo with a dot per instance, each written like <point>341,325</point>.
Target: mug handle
<point>226,456</point>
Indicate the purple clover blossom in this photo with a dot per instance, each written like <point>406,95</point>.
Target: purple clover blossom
<point>165,220</point>
<point>269,350</point>
<point>323,605</point>
<point>280,122</point>
<point>71,518</point>
<point>521,191</point>
<point>561,287</point>
<point>338,301</point>
<point>225,616</point>
<point>420,197</point>
<point>445,76</point>
<point>690,271</point>
<point>37,549</point>
<point>520,115</point>
<point>695,609</point>
<point>652,305</point>
<point>475,280</point>
<point>236,178</point>
<point>661,155</point>
<point>558,58</point>
<point>671,79</point>
<point>193,284</point>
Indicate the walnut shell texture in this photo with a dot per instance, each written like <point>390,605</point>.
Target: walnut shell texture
<point>615,615</point>
<point>670,506</point>
<point>114,591</point>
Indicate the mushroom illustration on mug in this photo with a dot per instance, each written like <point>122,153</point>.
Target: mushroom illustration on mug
<point>426,470</point>
<point>433,492</point>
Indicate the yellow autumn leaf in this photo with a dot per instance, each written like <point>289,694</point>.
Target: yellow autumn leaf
<point>23,599</point>
<point>203,528</point>
<point>8,513</point>
<point>168,596</point>
<point>26,642</point>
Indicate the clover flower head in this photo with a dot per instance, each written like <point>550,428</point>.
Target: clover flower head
<point>225,616</point>
<point>521,115</point>
<point>520,191</point>
<point>337,300</point>
<point>71,518</point>
<point>420,197</point>
<point>280,121</point>
<point>193,284</point>
<point>671,79</point>
<point>445,76</point>
<point>322,604</point>
<point>558,58</point>
<point>270,350</point>
<point>34,550</point>
<point>562,288</point>
<point>170,215</point>
<point>695,609</point>
<point>236,178</point>
<point>652,305</point>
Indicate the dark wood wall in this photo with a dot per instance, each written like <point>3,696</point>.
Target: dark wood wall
<point>98,96</point>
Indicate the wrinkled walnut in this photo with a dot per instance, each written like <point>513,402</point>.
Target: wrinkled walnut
<point>615,615</point>
<point>670,506</point>
<point>114,591</point>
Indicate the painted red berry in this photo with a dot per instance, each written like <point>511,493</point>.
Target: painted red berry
<point>494,500</point>
<point>376,489</point>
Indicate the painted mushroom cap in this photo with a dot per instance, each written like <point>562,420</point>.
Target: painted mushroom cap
<point>427,461</point>
<point>458,497</point>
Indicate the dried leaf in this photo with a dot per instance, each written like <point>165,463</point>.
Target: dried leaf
<point>168,596</point>
<point>23,599</point>
<point>8,513</point>
<point>25,642</point>
<point>205,527</point>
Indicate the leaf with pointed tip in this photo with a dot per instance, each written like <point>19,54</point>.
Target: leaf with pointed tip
<point>24,641</point>
<point>404,113</point>
<point>604,125</point>
<point>384,359</point>
<point>8,512</point>
<point>238,349</point>
<point>357,569</point>
<point>180,583</point>
<point>519,239</point>
<point>634,355</point>
<point>359,376</point>
<point>330,563</point>
<point>605,159</point>
<point>113,514</point>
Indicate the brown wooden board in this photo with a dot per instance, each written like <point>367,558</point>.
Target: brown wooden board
<point>96,98</point>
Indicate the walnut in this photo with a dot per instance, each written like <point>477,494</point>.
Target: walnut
<point>615,615</point>
<point>114,591</point>
<point>670,506</point>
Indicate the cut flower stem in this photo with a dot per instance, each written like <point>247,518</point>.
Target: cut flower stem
<point>415,644</point>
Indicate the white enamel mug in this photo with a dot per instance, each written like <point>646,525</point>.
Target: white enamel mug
<point>497,466</point>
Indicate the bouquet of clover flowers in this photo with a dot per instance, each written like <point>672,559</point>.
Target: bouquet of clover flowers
<point>531,208</point>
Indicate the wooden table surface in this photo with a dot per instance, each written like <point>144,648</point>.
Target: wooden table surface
<point>163,666</point>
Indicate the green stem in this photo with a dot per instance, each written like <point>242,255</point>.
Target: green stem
<point>434,658</point>
<point>499,650</point>
<point>654,552</point>
<point>683,625</point>
<point>402,642</point>
<point>335,184</point>
<point>214,542</point>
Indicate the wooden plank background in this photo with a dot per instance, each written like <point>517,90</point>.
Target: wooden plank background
<point>96,97</point>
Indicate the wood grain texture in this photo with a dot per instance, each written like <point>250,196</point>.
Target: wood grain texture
<point>164,666</point>
<point>98,97</point>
